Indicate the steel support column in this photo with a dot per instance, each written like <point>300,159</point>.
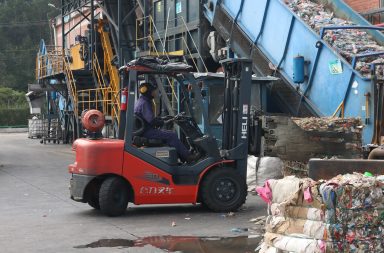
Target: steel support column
<point>120,33</point>
<point>62,26</point>
<point>92,42</point>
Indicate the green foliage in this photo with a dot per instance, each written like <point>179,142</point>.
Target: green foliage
<point>10,98</point>
<point>14,110</point>
<point>23,23</point>
<point>14,117</point>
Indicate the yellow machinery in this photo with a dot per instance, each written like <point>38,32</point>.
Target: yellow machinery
<point>77,57</point>
<point>71,65</point>
<point>108,68</point>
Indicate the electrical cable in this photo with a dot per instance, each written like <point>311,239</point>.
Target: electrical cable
<point>18,50</point>
<point>26,23</point>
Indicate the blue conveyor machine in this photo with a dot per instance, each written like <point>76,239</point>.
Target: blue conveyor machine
<point>290,46</point>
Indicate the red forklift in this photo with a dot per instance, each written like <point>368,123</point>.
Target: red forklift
<point>109,173</point>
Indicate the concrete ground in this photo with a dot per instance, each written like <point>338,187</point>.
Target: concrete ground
<point>37,215</point>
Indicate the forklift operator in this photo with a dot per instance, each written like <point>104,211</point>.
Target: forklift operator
<point>143,109</point>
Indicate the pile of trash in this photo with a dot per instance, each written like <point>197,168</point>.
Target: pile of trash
<point>344,214</point>
<point>295,168</point>
<point>330,124</point>
<point>348,42</point>
<point>258,227</point>
<point>337,134</point>
<point>334,130</point>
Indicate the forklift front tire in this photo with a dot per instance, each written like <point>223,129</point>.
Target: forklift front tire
<point>93,190</point>
<point>113,196</point>
<point>92,202</point>
<point>223,190</point>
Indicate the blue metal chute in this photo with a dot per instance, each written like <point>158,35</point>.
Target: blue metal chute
<point>280,35</point>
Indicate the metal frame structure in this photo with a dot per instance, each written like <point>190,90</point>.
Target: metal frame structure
<point>194,170</point>
<point>70,6</point>
<point>236,111</point>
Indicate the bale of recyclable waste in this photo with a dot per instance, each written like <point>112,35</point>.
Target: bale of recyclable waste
<point>343,214</point>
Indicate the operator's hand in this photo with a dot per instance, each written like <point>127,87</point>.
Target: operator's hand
<point>168,123</point>
<point>167,118</point>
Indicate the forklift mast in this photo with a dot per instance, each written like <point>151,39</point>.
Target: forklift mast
<point>237,78</point>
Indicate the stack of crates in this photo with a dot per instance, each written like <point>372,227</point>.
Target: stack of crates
<point>36,128</point>
<point>51,129</point>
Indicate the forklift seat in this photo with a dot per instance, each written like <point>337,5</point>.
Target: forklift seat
<point>138,139</point>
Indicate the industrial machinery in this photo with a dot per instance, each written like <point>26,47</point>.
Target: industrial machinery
<point>273,35</point>
<point>280,42</point>
<point>107,173</point>
<point>202,33</point>
<point>80,72</point>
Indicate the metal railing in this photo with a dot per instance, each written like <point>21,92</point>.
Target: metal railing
<point>141,41</point>
<point>71,84</point>
<point>49,63</point>
<point>147,38</point>
<point>108,57</point>
<point>374,16</point>
<point>99,98</point>
<point>108,93</point>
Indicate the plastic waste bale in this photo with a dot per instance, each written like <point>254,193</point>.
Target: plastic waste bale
<point>269,168</point>
<point>344,214</point>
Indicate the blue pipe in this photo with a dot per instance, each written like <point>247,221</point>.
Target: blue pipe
<point>345,99</point>
<point>373,66</point>
<point>240,10</point>
<point>313,71</point>
<point>230,54</point>
<point>287,41</point>
<point>356,57</point>
<point>262,23</point>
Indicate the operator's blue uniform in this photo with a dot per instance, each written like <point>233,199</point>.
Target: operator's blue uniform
<point>143,108</point>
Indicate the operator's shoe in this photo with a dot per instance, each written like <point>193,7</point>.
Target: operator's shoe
<point>193,157</point>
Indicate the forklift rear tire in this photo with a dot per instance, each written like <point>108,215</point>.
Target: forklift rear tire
<point>113,196</point>
<point>223,190</point>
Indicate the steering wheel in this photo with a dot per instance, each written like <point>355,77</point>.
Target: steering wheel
<point>138,127</point>
<point>178,117</point>
<point>168,117</point>
<point>181,116</point>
